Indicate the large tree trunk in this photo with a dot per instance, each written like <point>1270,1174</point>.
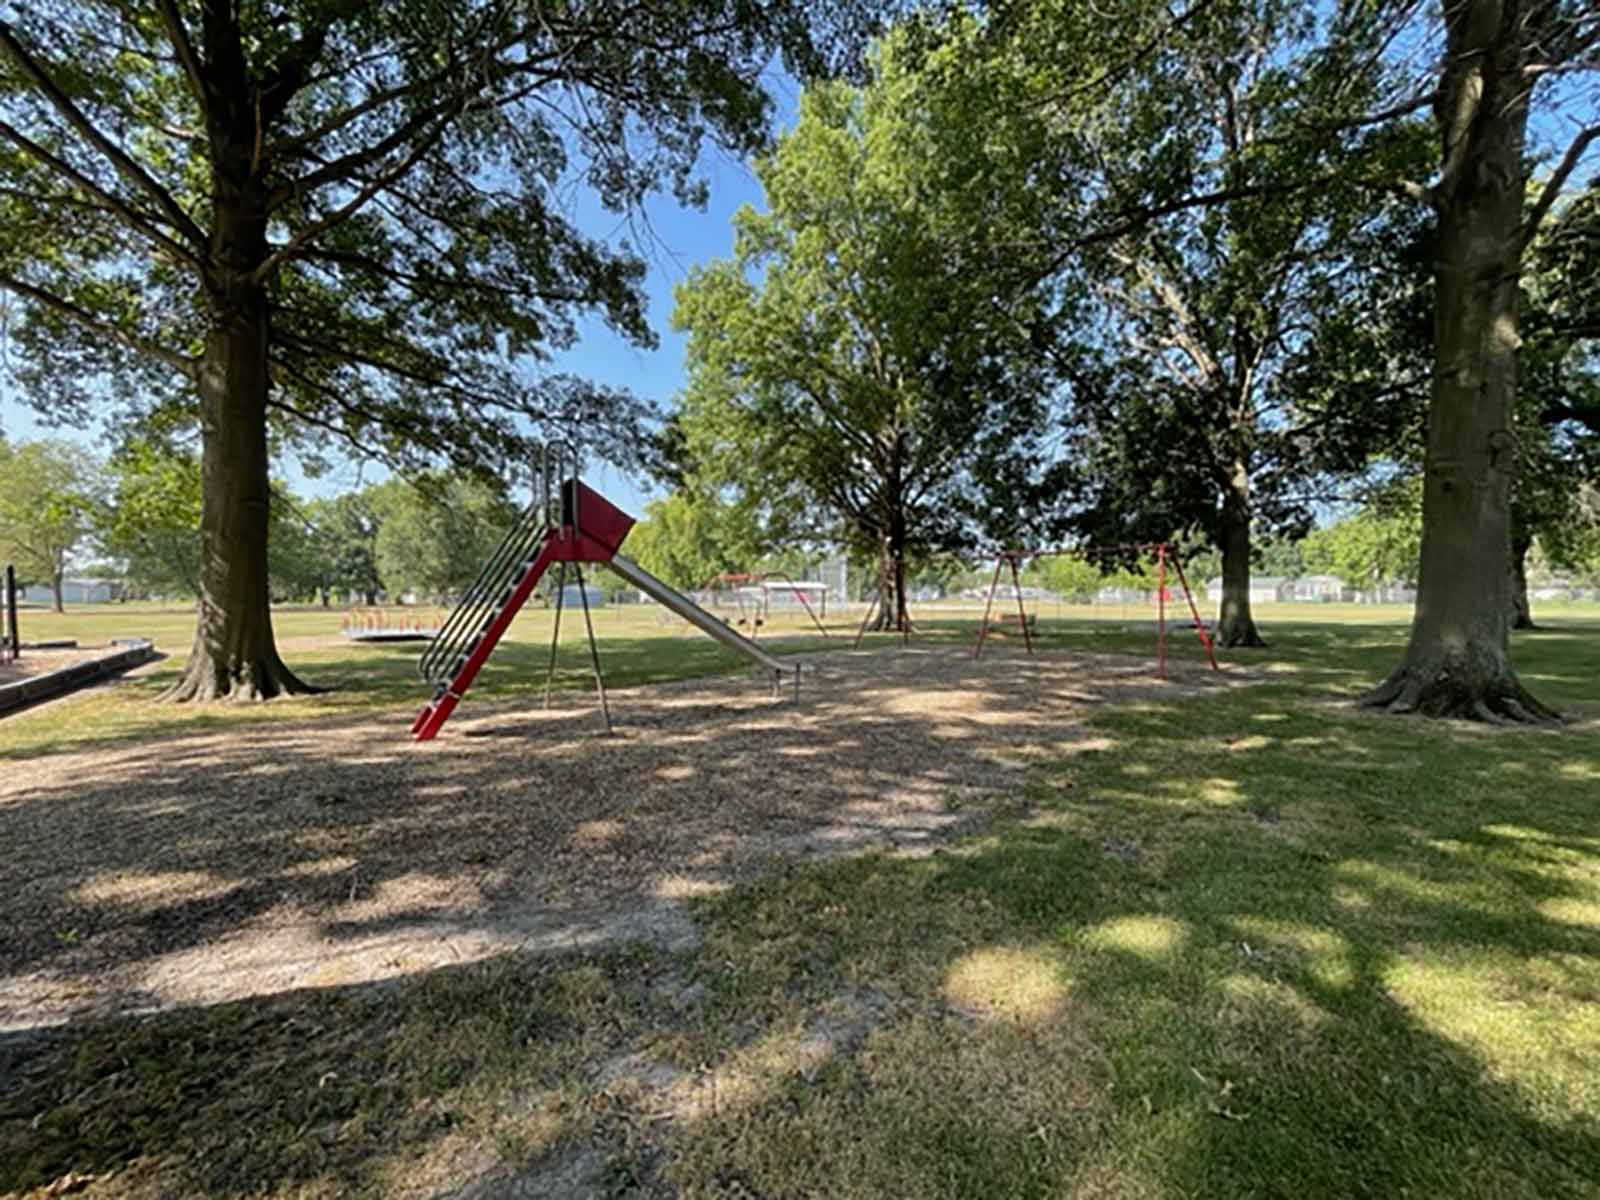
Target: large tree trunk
<point>1236,625</point>
<point>234,654</point>
<point>58,589</point>
<point>1458,663</point>
<point>892,615</point>
<point>897,555</point>
<point>1521,543</point>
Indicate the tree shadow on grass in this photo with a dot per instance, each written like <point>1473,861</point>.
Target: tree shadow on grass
<point>1302,1006</point>
<point>1267,966</point>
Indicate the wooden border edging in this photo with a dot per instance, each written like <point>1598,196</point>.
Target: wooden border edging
<point>24,692</point>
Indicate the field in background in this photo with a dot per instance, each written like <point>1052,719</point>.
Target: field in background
<point>639,643</point>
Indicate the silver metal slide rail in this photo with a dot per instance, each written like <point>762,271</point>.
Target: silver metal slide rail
<point>676,602</point>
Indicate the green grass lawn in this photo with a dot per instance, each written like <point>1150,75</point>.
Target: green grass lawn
<point>1248,943</point>
<point>637,646</point>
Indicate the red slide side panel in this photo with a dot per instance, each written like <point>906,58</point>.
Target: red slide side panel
<point>602,525</point>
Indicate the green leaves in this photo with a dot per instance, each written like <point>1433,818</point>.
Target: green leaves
<point>864,362</point>
<point>48,500</point>
<point>394,174</point>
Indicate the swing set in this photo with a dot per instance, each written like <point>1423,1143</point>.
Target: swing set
<point>1164,554</point>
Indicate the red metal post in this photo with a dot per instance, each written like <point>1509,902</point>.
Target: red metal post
<point>1199,625</point>
<point>988,607</point>
<point>1022,611</point>
<point>1161,610</point>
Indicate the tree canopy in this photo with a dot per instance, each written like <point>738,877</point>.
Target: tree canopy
<point>47,508</point>
<point>851,373</point>
<point>344,222</point>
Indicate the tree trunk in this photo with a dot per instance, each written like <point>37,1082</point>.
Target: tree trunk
<point>57,590</point>
<point>234,654</point>
<point>1458,663</point>
<point>884,620</point>
<point>897,557</point>
<point>1521,543</point>
<point>1235,624</point>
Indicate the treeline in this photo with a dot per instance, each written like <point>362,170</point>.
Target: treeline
<point>133,519</point>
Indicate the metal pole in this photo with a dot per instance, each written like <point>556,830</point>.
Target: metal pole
<point>594,650</point>
<point>865,617</point>
<point>988,607</point>
<point>11,612</point>
<point>1199,625</point>
<point>555,634</point>
<point>1022,613</point>
<point>1161,610</point>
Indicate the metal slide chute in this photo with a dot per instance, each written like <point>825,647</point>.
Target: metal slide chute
<point>675,601</point>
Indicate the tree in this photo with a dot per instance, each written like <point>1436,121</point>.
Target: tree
<point>347,527</point>
<point>338,220</point>
<point>1195,415</point>
<point>434,539</point>
<point>690,538</point>
<point>1492,62</point>
<point>1498,55</point>
<point>851,374</point>
<point>150,519</point>
<point>298,560</point>
<point>1378,545</point>
<point>1558,402</point>
<point>47,504</point>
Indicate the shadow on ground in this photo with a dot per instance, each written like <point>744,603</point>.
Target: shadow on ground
<point>1212,939</point>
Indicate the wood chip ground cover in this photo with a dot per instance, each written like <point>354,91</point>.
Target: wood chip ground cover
<point>199,869</point>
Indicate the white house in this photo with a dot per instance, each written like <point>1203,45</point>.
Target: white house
<point>1264,589</point>
<point>73,591</point>
<point>1324,589</point>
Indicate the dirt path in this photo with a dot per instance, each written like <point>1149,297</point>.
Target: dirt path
<point>199,869</point>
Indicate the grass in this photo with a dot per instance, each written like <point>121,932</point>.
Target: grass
<point>636,646</point>
<point>1255,943</point>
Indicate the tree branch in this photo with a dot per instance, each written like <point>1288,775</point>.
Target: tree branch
<point>357,202</point>
<point>179,362</point>
<point>1558,180</point>
<point>184,49</point>
<point>181,221</point>
<point>141,223</point>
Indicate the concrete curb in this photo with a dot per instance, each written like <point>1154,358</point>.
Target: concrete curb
<point>45,687</point>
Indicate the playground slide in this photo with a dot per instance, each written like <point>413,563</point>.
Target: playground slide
<point>691,612</point>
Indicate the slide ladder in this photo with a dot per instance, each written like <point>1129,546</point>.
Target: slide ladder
<point>464,642</point>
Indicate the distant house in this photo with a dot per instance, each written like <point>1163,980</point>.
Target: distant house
<point>1324,589</point>
<point>73,591</point>
<point>1264,589</point>
<point>1124,595</point>
<point>1388,593</point>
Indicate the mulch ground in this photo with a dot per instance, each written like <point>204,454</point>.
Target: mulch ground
<point>202,868</point>
<point>42,662</point>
